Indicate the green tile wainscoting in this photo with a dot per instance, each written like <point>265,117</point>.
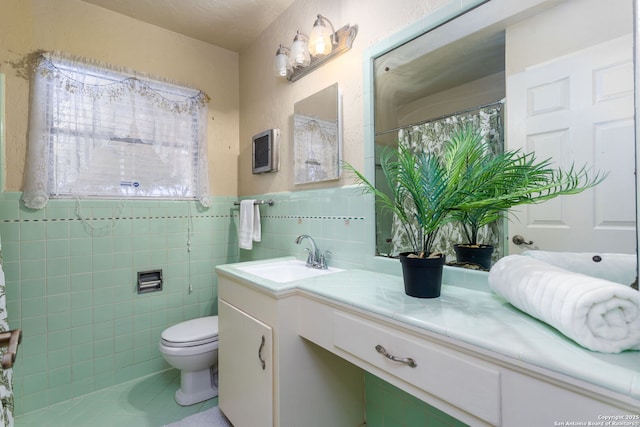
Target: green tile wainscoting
<point>71,287</point>
<point>71,282</point>
<point>336,218</point>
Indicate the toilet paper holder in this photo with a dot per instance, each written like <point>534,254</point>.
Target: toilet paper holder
<point>149,281</point>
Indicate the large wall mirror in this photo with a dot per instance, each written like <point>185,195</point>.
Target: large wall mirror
<point>551,76</point>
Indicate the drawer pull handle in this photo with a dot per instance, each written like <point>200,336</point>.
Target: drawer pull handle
<point>260,354</point>
<point>409,361</point>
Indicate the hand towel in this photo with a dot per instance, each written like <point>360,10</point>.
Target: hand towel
<point>598,314</point>
<point>249,230</point>
<point>620,268</point>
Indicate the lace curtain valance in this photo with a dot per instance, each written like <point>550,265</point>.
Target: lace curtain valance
<point>96,131</point>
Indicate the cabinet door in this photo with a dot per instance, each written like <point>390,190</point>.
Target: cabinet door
<point>245,368</point>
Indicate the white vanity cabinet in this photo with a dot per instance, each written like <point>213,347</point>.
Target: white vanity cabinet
<point>465,388</point>
<point>530,399</point>
<point>301,384</point>
<point>466,354</point>
<point>472,385</point>
<point>246,373</point>
<point>433,371</point>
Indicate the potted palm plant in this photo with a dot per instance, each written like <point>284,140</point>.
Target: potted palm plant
<point>422,199</point>
<point>492,183</point>
<point>468,183</point>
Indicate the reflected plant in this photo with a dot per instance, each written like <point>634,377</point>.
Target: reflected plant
<point>492,183</point>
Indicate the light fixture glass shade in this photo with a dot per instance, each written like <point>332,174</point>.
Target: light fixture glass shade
<point>281,65</point>
<point>299,56</point>
<point>320,38</point>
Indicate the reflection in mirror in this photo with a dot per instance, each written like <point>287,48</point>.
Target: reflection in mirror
<point>317,140</point>
<point>537,79</point>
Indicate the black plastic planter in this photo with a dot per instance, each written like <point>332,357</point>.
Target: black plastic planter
<point>422,276</point>
<point>474,254</point>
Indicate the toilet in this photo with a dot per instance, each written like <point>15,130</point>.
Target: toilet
<point>192,347</point>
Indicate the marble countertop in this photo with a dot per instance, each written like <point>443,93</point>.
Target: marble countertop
<point>481,319</point>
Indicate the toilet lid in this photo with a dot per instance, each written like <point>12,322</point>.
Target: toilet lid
<point>192,332</point>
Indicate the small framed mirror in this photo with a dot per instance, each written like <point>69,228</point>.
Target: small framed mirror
<point>317,140</point>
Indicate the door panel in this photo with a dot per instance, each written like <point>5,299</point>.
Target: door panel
<point>578,109</point>
<point>245,382</point>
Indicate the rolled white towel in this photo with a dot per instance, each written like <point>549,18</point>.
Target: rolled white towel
<point>598,314</point>
<point>619,268</point>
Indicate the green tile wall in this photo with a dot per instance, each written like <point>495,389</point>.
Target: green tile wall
<point>71,287</point>
<point>336,218</point>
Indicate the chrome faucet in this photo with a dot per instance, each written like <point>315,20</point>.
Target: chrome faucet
<point>312,257</point>
<point>315,258</point>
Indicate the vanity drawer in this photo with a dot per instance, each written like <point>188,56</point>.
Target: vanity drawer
<point>441,372</point>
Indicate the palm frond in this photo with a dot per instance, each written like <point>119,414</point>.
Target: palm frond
<point>468,183</point>
<point>492,183</point>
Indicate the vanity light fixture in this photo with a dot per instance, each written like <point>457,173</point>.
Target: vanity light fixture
<point>308,53</point>
<point>282,66</point>
<point>321,39</point>
<point>299,55</point>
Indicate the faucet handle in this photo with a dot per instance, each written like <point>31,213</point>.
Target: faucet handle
<point>310,257</point>
<point>323,259</point>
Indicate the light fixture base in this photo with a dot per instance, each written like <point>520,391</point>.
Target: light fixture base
<point>344,40</point>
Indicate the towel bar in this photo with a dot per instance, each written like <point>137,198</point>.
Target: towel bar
<point>10,339</point>
<point>258,202</point>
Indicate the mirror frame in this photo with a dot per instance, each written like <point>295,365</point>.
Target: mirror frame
<point>427,24</point>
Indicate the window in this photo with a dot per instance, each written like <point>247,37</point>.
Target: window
<point>96,132</point>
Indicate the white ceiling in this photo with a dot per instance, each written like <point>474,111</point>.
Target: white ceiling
<point>231,24</point>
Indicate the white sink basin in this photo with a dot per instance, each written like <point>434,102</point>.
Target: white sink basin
<point>286,271</point>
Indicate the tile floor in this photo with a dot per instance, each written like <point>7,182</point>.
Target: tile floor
<point>144,402</point>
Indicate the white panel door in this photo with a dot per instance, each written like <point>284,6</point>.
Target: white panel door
<point>245,368</point>
<point>578,108</point>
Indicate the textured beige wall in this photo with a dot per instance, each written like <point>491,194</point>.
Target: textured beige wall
<point>267,101</point>
<point>246,97</point>
<point>79,28</point>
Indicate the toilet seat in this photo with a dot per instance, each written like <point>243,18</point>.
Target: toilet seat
<point>190,333</point>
